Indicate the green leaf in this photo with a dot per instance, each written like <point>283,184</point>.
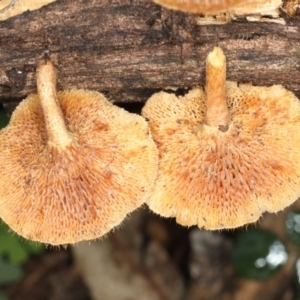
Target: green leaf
<point>3,296</point>
<point>9,273</point>
<point>32,247</point>
<point>297,280</point>
<point>3,118</point>
<point>3,227</point>
<point>11,247</point>
<point>258,254</point>
<point>292,226</point>
<point>16,248</point>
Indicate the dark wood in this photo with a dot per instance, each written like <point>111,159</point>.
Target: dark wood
<point>131,49</point>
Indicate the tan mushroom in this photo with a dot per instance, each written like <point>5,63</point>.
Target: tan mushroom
<point>73,165</point>
<point>201,6</point>
<point>227,154</point>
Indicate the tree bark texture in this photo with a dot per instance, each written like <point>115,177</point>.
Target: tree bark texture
<point>130,49</point>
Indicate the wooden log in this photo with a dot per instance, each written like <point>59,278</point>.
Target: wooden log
<point>131,49</point>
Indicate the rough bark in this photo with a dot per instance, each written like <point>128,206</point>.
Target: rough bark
<point>131,49</point>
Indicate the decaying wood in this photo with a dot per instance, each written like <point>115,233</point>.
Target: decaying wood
<point>131,49</point>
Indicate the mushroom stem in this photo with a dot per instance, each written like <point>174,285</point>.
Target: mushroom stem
<point>58,134</point>
<point>217,114</point>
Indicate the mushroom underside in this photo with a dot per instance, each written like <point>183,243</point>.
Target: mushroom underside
<point>201,6</point>
<point>61,197</point>
<point>216,179</point>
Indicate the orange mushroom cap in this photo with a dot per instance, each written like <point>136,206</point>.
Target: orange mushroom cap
<point>61,195</point>
<point>223,175</point>
<point>201,6</point>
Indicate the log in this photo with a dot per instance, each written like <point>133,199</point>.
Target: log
<point>130,49</point>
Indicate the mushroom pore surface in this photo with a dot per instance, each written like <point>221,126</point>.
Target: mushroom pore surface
<point>61,197</point>
<point>201,6</point>
<point>217,179</point>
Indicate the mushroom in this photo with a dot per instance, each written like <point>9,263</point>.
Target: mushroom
<point>227,154</point>
<point>73,165</point>
<point>201,6</point>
